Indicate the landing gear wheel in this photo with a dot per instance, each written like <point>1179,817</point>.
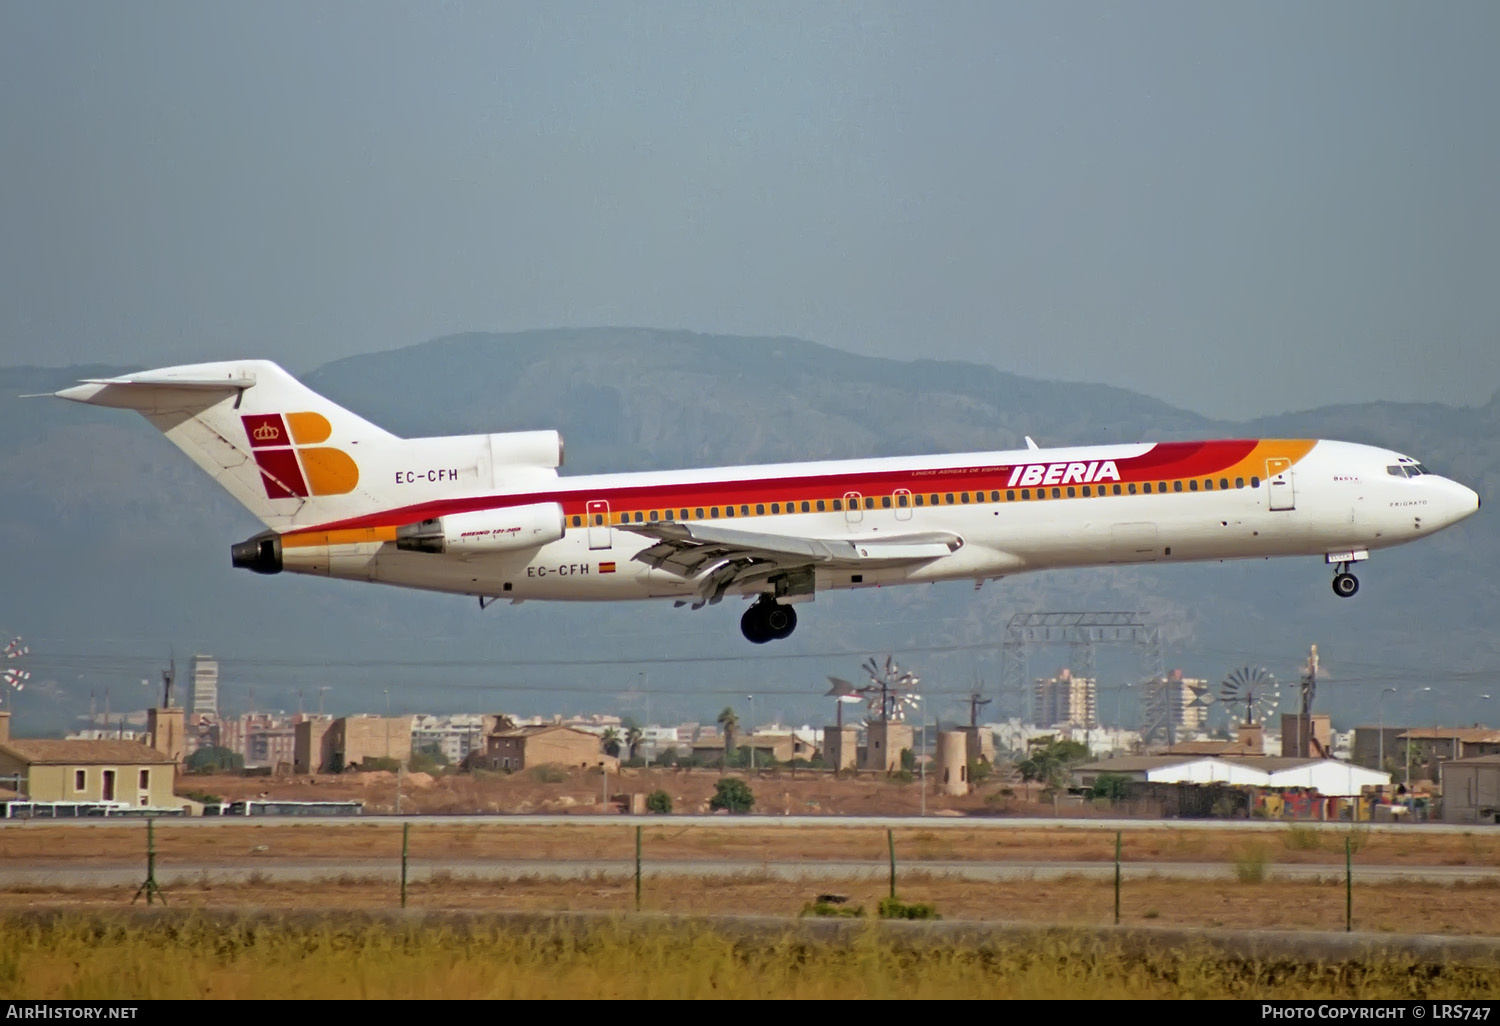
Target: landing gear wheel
<point>781,620</point>
<point>1345,584</point>
<point>754,627</point>
<point>768,620</point>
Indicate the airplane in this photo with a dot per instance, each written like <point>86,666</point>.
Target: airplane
<point>489,516</point>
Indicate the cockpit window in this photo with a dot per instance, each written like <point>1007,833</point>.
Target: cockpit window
<point>1418,468</point>
<point>1396,470</point>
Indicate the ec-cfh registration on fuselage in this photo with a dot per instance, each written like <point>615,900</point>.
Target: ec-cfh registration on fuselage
<point>488,515</point>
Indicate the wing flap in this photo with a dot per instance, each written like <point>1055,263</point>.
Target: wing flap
<point>718,558</point>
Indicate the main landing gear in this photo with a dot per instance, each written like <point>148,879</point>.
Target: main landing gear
<point>768,620</point>
<point>1345,584</point>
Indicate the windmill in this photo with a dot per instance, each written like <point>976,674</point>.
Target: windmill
<point>1252,689</point>
<point>14,676</point>
<point>897,689</point>
<point>841,692</point>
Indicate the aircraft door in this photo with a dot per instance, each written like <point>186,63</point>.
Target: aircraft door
<point>903,504</point>
<point>1279,483</point>
<point>853,514</point>
<point>599,529</point>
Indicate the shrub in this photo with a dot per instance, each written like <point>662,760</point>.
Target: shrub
<point>1112,787</point>
<point>732,794</point>
<point>547,774</point>
<point>1301,838</point>
<point>830,909</point>
<point>659,802</point>
<point>201,796</point>
<point>1250,863</point>
<point>895,908</point>
<point>380,763</point>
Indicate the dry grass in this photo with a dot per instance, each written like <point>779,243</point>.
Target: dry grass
<point>1451,909</point>
<point>100,958</point>
<point>610,838</point>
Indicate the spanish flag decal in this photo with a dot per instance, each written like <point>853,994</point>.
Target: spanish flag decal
<point>606,568</point>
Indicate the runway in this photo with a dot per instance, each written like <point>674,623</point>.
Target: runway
<point>265,870</point>
<point>933,822</point>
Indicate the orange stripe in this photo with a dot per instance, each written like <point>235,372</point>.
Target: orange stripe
<point>351,536</point>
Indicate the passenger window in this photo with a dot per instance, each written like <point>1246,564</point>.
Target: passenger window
<point>1161,486</point>
<point>760,509</point>
<point>917,500</point>
<point>1239,482</point>
<point>598,518</point>
<point>950,498</point>
<point>654,516</point>
<point>577,521</point>
<point>729,511</point>
<point>713,512</point>
<point>1146,487</point>
<point>1254,481</point>
<point>963,496</point>
<point>1132,488</point>
<point>744,511</point>
<point>935,500</point>
<point>1224,484</point>
<point>1010,496</point>
<point>805,508</point>
<point>1117,489</point>
<point>869,502</point>
<point>1086,492</point>
<point>1208,484</point>
<point>1176,486</point>
<point>669,514</point>
<point>820,506</point>
<point>1025,494</point>
<point>838,504</point>
<point>776,508</point>
<point>685,514</point>
<point>901,501</point>
<point>994,496</point>
<point>1057,493</point>
<point>639,517</point>
<point>1071,493</point>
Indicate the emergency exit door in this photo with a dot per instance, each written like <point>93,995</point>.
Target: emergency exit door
<point>599,529</point>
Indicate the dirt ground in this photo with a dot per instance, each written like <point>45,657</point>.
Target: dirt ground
<point>39,843</point>
<point>1459,910</point>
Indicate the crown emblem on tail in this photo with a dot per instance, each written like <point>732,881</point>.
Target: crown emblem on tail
<point>267,433</point>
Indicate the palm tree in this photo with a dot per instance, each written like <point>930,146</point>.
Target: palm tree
<point>611,741</point>
<point>730,723</point>
<point>634,735</point>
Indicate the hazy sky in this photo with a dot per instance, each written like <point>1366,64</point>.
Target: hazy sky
<point>1240,208</point>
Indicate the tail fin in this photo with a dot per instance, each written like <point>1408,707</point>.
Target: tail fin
<point>289,455</point>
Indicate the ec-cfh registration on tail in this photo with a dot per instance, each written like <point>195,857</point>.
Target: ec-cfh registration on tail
<point>489,515</point>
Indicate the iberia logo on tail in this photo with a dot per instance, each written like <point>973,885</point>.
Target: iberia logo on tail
<point>292,462</point>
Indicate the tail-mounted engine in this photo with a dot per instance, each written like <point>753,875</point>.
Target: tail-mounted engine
<point>494,530</point>
<point>261,554</point>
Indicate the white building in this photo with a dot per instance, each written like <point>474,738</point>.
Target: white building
<point>455,736</point>
<point>205,685</point>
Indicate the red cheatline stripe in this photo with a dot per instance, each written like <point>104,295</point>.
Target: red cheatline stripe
<point>1163,460</point>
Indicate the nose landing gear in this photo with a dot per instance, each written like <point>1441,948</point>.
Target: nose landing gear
<point>768,620</point>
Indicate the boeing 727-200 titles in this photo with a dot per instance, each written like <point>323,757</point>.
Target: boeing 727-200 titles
<point>488,515</point>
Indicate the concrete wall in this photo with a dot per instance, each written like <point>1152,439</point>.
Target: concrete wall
<point>358,738</point>
<point>565,748</point>
<point>311,745</point>
<point>1470,790</point>
<point>167,731</point>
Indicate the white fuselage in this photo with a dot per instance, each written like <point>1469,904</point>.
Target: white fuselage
<point>1332,499</point>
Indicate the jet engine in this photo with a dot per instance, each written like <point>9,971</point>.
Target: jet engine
<point>484,531</point>
<point>527,449</point>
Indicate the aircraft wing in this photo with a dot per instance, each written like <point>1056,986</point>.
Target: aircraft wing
<point>720,557</point>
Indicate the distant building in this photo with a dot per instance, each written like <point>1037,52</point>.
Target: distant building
<point>454,736</point>
<point>90,771</point>
<point>353,740</point>
<point>205,685</point>
<point>1471,789</point>
<point>1433,746</point>
<point>311,749</point>
<point>1065,699</point>
<point>547,745</point>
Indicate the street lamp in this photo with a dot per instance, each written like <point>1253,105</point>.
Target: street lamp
<point>751,700</point>
<point>1380,704</point>
<point>1408,757</point>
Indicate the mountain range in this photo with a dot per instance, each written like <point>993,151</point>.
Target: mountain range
<point>118,546</point>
